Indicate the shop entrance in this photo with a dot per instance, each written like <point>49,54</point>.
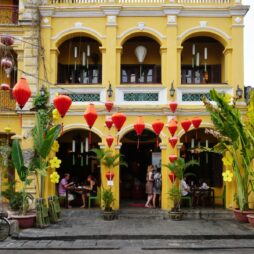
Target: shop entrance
<point>76,158</point>
<point>210,164</point>
<point>133,178</point>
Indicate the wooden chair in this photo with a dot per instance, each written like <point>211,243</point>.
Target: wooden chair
<point>222,196</point>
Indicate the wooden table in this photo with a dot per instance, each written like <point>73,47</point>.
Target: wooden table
<point>202,195</point>
<point>73,189</point>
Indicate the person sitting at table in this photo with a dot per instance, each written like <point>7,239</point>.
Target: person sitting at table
<point>204,186</point>
<point>90,190</point>
<point>63,186</point>
<point>185,188</point>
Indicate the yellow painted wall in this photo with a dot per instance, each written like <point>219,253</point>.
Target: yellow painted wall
<point>114,50</point>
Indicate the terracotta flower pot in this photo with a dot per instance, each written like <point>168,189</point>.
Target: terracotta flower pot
<point>241,216</point>
<point>25,221</point>
<point>251,219</point>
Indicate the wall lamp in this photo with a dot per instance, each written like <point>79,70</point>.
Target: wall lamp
<point>43,90</point>
<point>172,89</point>
<point>109,90</point>
<point>239,92</point>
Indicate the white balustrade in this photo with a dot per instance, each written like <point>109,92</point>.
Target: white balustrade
<point>147,2</point>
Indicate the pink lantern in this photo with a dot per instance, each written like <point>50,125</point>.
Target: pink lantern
<point>6,63</point>
<point>7,39</point>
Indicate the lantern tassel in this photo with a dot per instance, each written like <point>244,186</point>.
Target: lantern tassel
<point>90,138</point>
<point>138,144</point>
<point>157,141</point>
<point>20,119</point>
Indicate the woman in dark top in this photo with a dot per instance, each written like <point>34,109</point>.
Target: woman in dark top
<point>91,190</point>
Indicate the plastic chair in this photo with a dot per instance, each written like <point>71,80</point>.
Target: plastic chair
<point>222,197</point>
<point>188,198</point>
<point>90,198</point>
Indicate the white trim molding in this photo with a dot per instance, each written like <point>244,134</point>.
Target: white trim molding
<point>200,28</point>
<point>161,91</point>
<point>199,90</point>
<point>83,90</point>
<point>78,28</point>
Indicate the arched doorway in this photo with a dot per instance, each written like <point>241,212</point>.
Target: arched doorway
<point>74,151</point>
<point>133,178</point>
<point>210,164</point>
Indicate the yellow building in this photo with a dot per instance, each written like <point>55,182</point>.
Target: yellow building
<point>139,54</point>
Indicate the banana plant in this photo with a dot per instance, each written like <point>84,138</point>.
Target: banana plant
<point>43,141</point>
<point>23,173</point>
<point>236,139</point>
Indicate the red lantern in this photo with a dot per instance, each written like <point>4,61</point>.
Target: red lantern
<point>109,105</point>
<point>139,127</point>
<point>118,120</point>
<point>109,175</point>
<point>109,122</point>
<point>90,116</point>
<point>109,140</point>
<point>172,158</point>
<point>157,127</point>
<point>62,103</point>
<point>172,127</point>
<point>4,87</point>
<point>186,125</point>
<point>172,177</point>
<point>7,40</point>
<point>196,121</point>
<point>173,106</point>
<point>173,141</point>
<point>21,92</point>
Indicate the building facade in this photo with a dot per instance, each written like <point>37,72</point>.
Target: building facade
<point>139,54</point>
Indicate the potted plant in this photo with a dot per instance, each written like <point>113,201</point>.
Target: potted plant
<point>108,200</point>
<point>110,161</point>
<point>24,218</point>
<point>178,168</point>
<point>235,142</point>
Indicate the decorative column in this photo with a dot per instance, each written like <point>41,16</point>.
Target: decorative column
<point>54,65</point>
<point>171,67</point>
<point>228,65</point>
<point>179,64</point>
<point>119,52</point>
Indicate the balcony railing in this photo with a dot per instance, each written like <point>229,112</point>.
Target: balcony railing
<point>198,75</point>
<point>145,2</point>
<point>140,74</point>
<point>71,74</point>
<point>7,103</point>
<point>9,14</point>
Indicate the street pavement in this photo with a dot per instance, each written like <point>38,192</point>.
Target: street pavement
<point>136,232</point>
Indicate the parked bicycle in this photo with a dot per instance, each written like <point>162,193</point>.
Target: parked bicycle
<point>4,226</point>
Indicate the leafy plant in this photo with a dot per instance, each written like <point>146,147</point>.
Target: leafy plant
<point>236,141</point>
<point>108,199</point>
<point>178,167</point>
<point>43,141</point>
<point>108,159</point>
<point>23,173</point>
<point>175,196</point>
<point>15,198</point>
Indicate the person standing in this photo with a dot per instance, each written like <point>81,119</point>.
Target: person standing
<point>157,184</point>
<point>63,186</point>
<point>149,185</point>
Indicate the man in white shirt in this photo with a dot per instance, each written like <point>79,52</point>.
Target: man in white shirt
<point>185,188</point>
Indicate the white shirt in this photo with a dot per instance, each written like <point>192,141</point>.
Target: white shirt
<point>184,187</point>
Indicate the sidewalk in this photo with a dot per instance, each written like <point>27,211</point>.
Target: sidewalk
<point>80,224</point>
<point>137,230</point>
